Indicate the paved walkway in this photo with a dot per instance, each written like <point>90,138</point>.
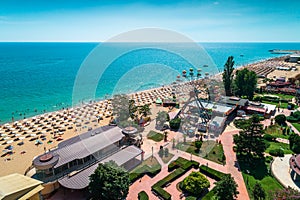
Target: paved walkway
<point>231,167</point>
<point>281,170</point>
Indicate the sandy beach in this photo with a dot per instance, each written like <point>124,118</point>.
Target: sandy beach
<point>44,132</point>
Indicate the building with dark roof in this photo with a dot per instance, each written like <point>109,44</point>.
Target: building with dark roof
<point>234,101</point>
<point>75,159</point>
<point>295,167</point>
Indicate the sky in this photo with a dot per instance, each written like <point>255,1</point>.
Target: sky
<point>202,20</point>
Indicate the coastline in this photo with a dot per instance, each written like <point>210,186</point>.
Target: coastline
<point>74,121</point>
<point>2,122</point>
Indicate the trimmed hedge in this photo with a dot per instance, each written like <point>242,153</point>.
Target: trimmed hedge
<point>183,163</point>
<point>161,192</point>
<point>181,166</point>
<point>143,171</point>
<point>143,195</point>
<point>191,198</point>
<point>276,152</point>
<point>269,137</point>
<point>217,175</point>
<point>171,177</point>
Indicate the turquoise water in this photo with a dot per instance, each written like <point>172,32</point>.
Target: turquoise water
<point>38,77</point>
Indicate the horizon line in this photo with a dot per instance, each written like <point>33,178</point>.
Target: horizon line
<point>76,41</point>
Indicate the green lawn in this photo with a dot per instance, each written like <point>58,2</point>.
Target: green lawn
<point>276,131</point>
<point>187,147</point>
<point>214,152</point>
<point>297,126</point>
<point>258,171</point>
<point>157,137</point>
<point>217,154</point>
<point>279,145</point>
<point>168,158</point>
<point>282,96</point>
<point>150,162</point>
<point>282,105</point>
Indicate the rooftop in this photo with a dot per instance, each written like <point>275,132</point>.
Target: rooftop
<point>80,179</point>
<point>234,101</point>
<point>221,108</point>
<point>15,183</point>
<point>82,146</point>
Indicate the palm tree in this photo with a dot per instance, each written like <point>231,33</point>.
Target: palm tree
<point>132,109</point>
<point>144,110</point>
<point>228,75</point>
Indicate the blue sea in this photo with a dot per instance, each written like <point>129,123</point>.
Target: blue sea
<point>40,77</point>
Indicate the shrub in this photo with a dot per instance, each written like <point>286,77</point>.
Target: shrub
<point>198,145</point>
<point>161,152</point>
<point>161,192</point>
<point>269,137</point>
<point>191,198</point>
<point>280,119</point>
<point>182,166</point>
<point>234,148</point>
<point>195,183</point>
<point>143,195</point>
<point>292,119</point>
<point>166,152</point>
<point>276,152</point>
<point>217,175</point>
<point>175,123</point>
<point>257,98</point>
<point>173,165</point>
<point>137,174</point>
<point>269,159</point>
<point>157,187</point>
<point>294,140</point>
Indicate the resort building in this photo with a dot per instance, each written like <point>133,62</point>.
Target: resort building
<point>217,125</point>
<point>234,101</point>
<point>75,159</point>
<point>214,108</point>
<point>294,58</point>
<point>263,109</point>
<point>295,167</point>
<point>217,113</point>
<point>17,186</point>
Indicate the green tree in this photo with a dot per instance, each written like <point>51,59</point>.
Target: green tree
<point>245,83</point>
<point>109,181</point>
<point>166,152</point>
<point>120,105</point>
<point>228,75</point>
<point>226,188</point>
<point>161,118</point>
<point>161,152</point>
<point>132,109</point>
<point>198,145</point>
<point>144,110</point>
<point>294,140</point>
<point>250,139</point>
<point>280,119</point>
<point>258,192</point>
<point>195,183</point>
<point>175,123</point>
